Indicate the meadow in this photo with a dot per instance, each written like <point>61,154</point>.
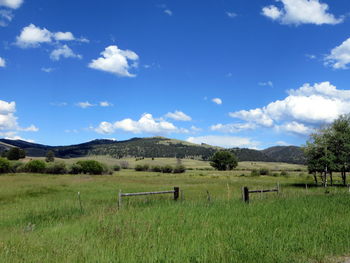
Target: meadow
<point>41,219</point>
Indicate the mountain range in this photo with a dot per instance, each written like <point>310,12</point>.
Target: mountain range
<point>155,147</point>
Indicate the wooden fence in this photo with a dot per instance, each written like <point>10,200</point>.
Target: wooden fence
<point>246,192</point>
<point>176,193</point>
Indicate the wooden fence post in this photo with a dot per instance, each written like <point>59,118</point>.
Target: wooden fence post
<point>176,193</point>
<point>245,194</point>
<point>120,199</point>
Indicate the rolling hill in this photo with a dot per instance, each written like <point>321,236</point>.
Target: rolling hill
<point>155,147</point>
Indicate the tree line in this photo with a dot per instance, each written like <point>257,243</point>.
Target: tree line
<point>328,151</point>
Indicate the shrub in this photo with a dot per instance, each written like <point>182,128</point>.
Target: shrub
<point>35,166</point>
<point>124,164</point>
<point>284,173</point>
<point>91,167</point>
<point>4,165</point>
<point>56,168</point>
<point>179,169</point>
<point>50,156</point>
<point>156,168</point>
<point>167,169</point>
<point>16,167</point>
<point>254,172</point>
<point>116,168</point>
<point>141,167</point>
<point>264,171</point>
<point>75,169</point>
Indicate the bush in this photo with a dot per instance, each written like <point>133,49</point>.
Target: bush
<point>254,172</point>
<point>16,167</point>
<point>56,168</point>
<point>264,171</point>
<point>4,165</point>
<point>35,166</point>
<point>124,164</point>
<point>179,169</point>
<point>91,167</point>
<point>141,167</point>
<point>50,156</point>
<point>116,168</point>
<point>75,169</point>
<point>284,173</point>
<point>156,168</point>
<point>167,169</point>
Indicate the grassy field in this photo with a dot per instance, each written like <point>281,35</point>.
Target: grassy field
<point>41,219</point>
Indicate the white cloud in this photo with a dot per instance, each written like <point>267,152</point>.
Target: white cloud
<point>47,70</point>
<point>267,83</point>
<point>63,51</point>
<point>115,61</point>
<point>224,141</point>
<point>6,17</point>
<point>178,116</point>
<point>231,14</point>
<point>146,124</point>
<point>168,12</point>
<point>105,104</point>
<point>339,58</point>
<point>14,4</point>
<point>310,56</point>
<point>282,143</point>
<point>302,110</point>
<point>233,127</point>
<point>217,101</point>
<point>2,62</point>
<point>85,104</point>
<point>33,36</point>
<point>301,12</point>
<point>9,126</point>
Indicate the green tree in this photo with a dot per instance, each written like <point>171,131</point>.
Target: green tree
<point>16,153</point>
<point>50,156</point>
<point>224,160</point>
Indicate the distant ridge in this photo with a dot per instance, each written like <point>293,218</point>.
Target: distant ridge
<point>156,147</point>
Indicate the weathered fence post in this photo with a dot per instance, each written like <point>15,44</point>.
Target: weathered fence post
<point>120,199</point>
<point>208,196</point>
<point>245,194</point>
<point>278,187</point>
<point>176,193</point>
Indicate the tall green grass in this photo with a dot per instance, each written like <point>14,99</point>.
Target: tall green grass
<point>41,220</point>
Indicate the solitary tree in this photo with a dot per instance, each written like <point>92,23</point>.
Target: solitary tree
<point>223,160</point>
<point>16,153</point>
<point>50,156</point>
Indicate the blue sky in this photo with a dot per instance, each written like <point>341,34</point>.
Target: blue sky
<point>239,73</point>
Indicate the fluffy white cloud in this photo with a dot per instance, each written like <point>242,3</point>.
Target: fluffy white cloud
<point>233,127</point>
<point>224,141</point>
<point>301,12</point>
<point>105,104</point>
<point>178,116</point>
<point>33,36</point>
<point>115,61</point>
<point>217,101</point>
<point>339,58</point>
<point>64,36</point>
<point>47,70</point>
<point>9,126</point>
<point>63,51</point>
<point>2,62</point>
<point>14,4</point>
<point>146,124</point>
<point>85,104</point>
<point>302,110</point>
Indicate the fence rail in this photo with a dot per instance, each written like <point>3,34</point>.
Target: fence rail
<point>246,192</point>
<point>176,192</point>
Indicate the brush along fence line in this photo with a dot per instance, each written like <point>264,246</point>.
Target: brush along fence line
<point>246,192</point>
<point>176,192</point>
